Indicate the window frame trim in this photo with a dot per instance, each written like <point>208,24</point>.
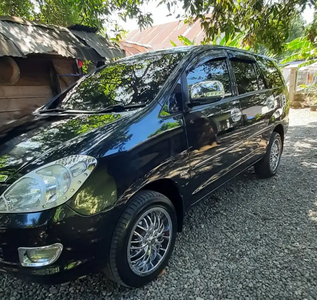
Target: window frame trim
<point>171,115</point>
<point>260,72</point>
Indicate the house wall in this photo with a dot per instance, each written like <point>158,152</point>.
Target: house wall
<point>65,67</point>
<point>38,82</point>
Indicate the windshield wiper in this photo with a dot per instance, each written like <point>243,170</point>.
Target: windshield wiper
<point>115,108</point>
<point>120,107</point>
<point>51,110</point>
<point>63,110</point>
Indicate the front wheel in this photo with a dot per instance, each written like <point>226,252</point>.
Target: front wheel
<point>143,240</point>
<point>268,165</point>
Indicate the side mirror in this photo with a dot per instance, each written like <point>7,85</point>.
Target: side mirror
<point>211,90</point>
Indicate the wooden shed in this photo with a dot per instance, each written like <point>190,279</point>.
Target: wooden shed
<point>39,61</point>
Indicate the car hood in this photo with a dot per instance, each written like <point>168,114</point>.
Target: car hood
<point>36,139</point>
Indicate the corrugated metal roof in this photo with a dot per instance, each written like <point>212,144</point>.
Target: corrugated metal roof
<point>159,36</point>
<point>8,48</point>
<point>134,48</point>
<point>30,38</point>
<point>99,43</point>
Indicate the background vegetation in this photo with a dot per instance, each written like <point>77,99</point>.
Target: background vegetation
<point>265,26</point>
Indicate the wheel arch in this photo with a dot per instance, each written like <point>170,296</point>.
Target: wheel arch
<point>168,188</point>
<point>280,130</point>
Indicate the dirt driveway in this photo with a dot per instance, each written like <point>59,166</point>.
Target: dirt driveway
<point>253,239</point>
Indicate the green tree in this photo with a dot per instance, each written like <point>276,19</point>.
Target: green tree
<point>230,41</point>
<point>68,12</point>
<point>262,22</point>
<point>297,29</point>
<point>20,8</point>
<point>302,49</point>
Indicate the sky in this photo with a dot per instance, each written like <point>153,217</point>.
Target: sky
<point>160,15</point>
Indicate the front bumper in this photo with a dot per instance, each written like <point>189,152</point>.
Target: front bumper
<point>85,241</point>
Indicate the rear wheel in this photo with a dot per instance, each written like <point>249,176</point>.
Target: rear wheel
<point>269,164</point>
<point>143,240</point>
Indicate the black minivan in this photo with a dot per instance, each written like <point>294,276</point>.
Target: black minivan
<point>100,177</point>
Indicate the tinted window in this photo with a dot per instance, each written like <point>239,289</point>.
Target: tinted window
<point>132,81</point>
<point>246,77</point>
<point>211,70</point>
<point>271,73</point>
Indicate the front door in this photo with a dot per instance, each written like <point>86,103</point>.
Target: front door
<point>214,128</point>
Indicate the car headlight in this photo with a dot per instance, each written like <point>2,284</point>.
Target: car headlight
<point>48,186</point>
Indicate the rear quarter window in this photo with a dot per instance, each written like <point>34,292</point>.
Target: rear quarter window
<point>271,73</point>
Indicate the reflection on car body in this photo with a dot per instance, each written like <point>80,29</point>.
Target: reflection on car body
<point>101,176</point>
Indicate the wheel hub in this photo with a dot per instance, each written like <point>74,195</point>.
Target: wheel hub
<point>275,154</point>
<point>149,241</point>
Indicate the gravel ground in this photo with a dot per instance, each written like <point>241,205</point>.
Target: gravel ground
<point>253,239</point>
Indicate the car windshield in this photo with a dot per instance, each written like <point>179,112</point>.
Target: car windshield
<point>127,82</point>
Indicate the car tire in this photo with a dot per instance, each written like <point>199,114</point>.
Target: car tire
<point>143,240</point>
<point>268,165</point>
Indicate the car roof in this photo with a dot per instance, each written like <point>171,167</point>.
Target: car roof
<point>191,50</point>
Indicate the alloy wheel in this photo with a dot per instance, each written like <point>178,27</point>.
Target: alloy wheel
<point>149,241</point>
<point>275,154</point>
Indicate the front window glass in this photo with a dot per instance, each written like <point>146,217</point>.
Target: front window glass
<point>211,70</point>
<point>133,81</point>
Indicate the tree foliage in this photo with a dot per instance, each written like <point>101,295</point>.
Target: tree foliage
<point>297,29</point>
<point>302,49</point>
<point>263,22</point>
<point>231,41</point>
<point>20,8</point>
<point>68,12</point>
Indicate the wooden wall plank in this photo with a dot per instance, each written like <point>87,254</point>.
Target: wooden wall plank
<point>65,66</point>
<point>18,104</point>
<point>9,92</point>
<point>34,88</point>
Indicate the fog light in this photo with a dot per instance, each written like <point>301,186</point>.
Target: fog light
<point>39,256</point>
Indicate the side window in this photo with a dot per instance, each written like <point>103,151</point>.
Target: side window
<point>174,103</point>
<point>246,76</point>
<point>271,73</point>
<point>211,70</point>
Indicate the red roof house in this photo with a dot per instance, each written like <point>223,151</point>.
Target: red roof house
<point>159,36</point>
